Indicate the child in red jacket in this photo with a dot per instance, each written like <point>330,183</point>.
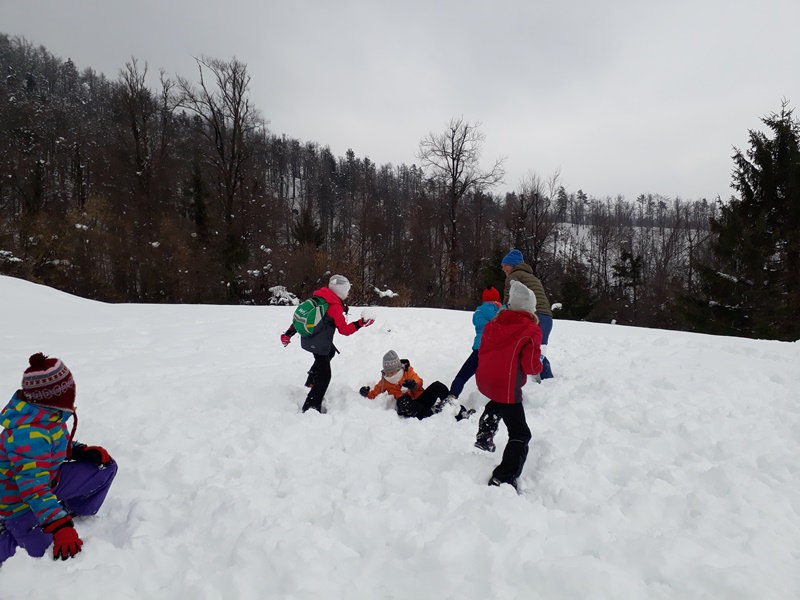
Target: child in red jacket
<point>509,352</point>
<point>320,343</point>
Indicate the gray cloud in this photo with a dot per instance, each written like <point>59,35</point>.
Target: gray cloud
<point>638,97</point>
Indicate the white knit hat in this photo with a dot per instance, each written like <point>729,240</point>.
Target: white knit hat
<point>339,285</point>
<point>520,297</point>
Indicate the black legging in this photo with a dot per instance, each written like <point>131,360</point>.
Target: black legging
<point>421,407</point>
<point>321,376</point>
<point>519,435</point>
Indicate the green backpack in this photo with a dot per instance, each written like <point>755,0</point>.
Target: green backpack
<point>308,314</point>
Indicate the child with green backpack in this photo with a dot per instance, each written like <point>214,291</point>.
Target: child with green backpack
<point>317,320</point>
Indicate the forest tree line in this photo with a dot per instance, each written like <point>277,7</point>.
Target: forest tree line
<point>114,191</point>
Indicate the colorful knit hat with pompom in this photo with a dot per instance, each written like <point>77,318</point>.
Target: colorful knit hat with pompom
<point>48,382</point>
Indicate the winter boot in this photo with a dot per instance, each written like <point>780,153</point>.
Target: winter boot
<point>439,405</point>
<point>310,404</point>
<point>487,445</point>
<point>487,427</point>
<point>494,481</point>
<point>547,370</point>
<point>464,413</point>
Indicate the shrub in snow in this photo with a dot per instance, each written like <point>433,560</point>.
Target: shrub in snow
<point>282,297</point>
<point>7,256</point>
<point>386,294</point>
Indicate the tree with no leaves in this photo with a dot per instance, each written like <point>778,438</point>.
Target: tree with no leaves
<point>229,122</point>
<point>531,217</point>
<point>453,160</point>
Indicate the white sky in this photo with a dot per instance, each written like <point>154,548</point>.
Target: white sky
<point>663,464</point>
<point>638,97</point>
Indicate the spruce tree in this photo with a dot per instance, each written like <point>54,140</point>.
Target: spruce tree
<point>752,288</point>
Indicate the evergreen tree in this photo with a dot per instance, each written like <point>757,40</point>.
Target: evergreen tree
<point>307,232</point>
<point>753,286</point>
<point>628,273</point>
<point>575,294</point>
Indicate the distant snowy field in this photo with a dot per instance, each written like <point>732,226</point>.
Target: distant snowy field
<point>662,465</point>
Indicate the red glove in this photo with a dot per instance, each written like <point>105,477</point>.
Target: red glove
<point>93,454</point>
<point>285,339</point>
<point>66,542</point>
<point>364,322</point>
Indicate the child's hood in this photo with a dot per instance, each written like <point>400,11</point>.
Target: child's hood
<point>508,326</point>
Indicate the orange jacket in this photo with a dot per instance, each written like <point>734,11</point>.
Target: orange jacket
<point>396,389</point>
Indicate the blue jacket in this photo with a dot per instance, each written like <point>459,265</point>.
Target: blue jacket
<point>33,444</point>
<point>483,314</point>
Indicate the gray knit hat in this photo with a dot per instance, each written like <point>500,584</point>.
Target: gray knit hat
<point>521,298</point>
<point>391,362</point>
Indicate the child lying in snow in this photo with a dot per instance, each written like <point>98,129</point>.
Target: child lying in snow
<point>413,400</point>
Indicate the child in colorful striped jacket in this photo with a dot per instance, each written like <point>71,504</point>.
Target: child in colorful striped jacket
<point>45,478</point>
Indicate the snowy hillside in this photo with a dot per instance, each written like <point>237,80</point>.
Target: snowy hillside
<point>663,465</point>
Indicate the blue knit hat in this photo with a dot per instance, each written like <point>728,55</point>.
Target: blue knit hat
<point>512,259</point>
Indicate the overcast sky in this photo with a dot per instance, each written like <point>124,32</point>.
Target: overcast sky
<point>624,96</point>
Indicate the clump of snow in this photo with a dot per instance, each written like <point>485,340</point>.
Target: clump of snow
<point>8,256</point>
<point>385,293</point>
<point>369,313</point>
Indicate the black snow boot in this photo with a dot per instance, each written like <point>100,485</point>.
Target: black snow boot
<point>464,413</point>
<point>311,404</point>
<point>487,427</point>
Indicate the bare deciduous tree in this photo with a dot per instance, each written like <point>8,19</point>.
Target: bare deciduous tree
<point>532,217</point>
<point>453,159</point>
<point>227,119</point>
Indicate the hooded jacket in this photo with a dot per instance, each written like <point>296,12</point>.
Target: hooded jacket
<point>321,341</point>
<point>33,444</point>
<point>510,351</point>
<point>482,315</point>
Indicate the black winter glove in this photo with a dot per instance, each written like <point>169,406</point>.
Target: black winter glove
<point>364,391</point>
<point>410,384</point>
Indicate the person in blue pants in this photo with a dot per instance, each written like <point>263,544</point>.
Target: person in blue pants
<point>516,269</point>
<point>482,315</point>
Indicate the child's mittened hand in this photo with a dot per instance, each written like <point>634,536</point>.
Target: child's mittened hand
<point>92,454</point>
<point>410,385</point>
<point>364,391</point>
<point>285,339</point>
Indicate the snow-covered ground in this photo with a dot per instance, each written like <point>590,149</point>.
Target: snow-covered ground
<point>662,465</point>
